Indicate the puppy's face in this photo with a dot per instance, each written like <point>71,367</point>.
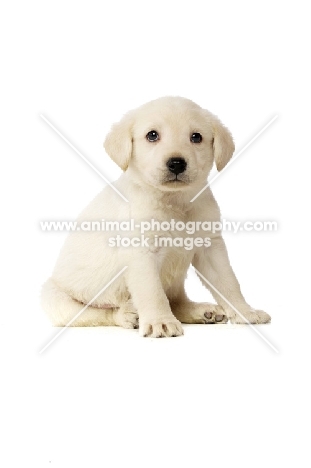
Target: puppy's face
<point>170,143</point>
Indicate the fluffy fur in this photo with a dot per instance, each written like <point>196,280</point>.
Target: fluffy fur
<point>151,289</point>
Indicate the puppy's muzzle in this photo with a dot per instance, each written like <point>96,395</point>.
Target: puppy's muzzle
<point>176,165</point>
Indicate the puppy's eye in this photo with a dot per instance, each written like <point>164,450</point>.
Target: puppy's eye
<point>152,135</point>
<point>196,138</point>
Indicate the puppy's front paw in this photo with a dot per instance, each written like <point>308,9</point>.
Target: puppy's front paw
<point>163,328</point>
<point>252,316</point>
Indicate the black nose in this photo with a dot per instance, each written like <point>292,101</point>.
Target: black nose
<point>176,165</point>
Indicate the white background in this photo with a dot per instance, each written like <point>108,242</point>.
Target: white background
<point>219,396</point>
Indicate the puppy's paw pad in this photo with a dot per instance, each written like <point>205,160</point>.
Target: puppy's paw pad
<point>200,313</point>
<point>221,318</point>
<point>215,314</point>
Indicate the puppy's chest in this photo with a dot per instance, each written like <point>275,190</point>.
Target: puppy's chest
<point>159,222</point>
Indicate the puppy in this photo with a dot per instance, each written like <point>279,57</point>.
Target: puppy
<point>166,149</point>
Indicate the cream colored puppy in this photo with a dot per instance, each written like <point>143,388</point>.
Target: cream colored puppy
<point>166,149</point>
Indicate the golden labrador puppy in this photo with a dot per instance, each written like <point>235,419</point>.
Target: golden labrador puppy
<point>166,149</point>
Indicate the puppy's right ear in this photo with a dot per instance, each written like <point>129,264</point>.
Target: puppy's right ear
<point>118,143</point>
<point>223,144</point>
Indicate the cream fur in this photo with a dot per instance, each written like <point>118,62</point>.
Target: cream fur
<point>152,287</point>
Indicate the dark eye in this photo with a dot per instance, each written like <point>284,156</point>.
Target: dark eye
<point>196,138</point>
<point>152,135</point>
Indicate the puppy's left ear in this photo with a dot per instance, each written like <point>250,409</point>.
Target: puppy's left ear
<point>223,144</point>
<point>118,142</point>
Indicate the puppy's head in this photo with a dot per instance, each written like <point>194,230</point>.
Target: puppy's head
<point>170,143</point>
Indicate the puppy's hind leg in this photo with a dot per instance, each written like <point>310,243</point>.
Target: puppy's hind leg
<point>198,312</point>
<point>126,315</point>
<point>62,309</point>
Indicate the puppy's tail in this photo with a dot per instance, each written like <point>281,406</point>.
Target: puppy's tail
<point>63,310</point>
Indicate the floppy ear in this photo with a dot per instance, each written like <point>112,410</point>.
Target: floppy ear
<point>118,143</point>
<point>223,144</point>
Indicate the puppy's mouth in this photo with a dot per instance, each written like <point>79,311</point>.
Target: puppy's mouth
<point>176,173</point>
<point>176,180</point>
